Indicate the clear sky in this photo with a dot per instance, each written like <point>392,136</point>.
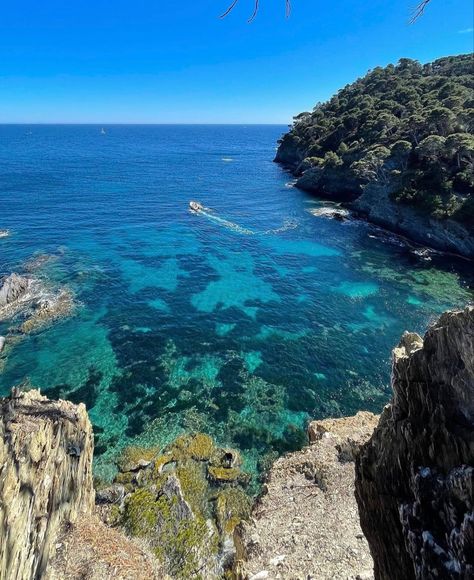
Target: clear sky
<point>175,61</point>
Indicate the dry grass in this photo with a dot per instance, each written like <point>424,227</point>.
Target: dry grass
<point>89,550</point>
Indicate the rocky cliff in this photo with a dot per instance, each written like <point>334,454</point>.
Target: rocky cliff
<point>399,142</point>
<point>45,478</point>
<point>306,524</point>
<point>446,235</point>
<point>415,477</point>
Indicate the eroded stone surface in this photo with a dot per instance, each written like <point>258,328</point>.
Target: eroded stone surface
<point>45,478</point>
<point>306,525</point>
<point>415,477</point>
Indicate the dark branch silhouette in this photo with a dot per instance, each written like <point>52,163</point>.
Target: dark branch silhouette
<point>417,12</point>
<point>255,9</point>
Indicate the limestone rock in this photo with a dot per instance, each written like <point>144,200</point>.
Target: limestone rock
<point>12,288</point>
<point>306,525</point>
<point>415,477</point>
<point>45,478</point>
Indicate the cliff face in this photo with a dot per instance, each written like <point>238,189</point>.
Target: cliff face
<point>306,525</point>
<point>415,477</point>
<point>446,235</point>
<point>46,452</point>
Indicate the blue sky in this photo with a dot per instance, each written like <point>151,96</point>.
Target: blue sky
<point>151,61</point>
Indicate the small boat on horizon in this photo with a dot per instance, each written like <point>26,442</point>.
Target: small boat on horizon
<point>195,206</point>
<point>103,131</point>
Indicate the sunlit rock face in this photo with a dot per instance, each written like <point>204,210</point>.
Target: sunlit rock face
<point>415,477</point>
<point>46,452</point>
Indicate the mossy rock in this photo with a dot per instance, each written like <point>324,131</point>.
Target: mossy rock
<point>221,475</point>
<point>232,506</point>
<point>141,513</point>
<point>160,463</point>
<point>192,478</point>
<point>183,543</point>
<point>124,478</point>
<point>198,446</point>
<point>226,458</point>
<point>134,458</point>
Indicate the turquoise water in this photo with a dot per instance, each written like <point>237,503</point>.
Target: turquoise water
<point>242,322</point>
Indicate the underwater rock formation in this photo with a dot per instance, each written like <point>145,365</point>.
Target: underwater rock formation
<point>46,452</point>
<point>415,477</point>
<point>306,524</point>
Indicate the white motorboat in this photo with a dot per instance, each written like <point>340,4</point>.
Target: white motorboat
<point>195,206</point>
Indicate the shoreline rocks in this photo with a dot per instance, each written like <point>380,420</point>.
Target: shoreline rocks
<point>415,476</point>
<point>13,289</point>
<point>306,524</point>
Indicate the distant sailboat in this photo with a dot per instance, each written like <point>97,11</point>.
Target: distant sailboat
<point>102,131</point>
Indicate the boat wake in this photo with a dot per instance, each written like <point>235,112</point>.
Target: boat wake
<point>289,224</point>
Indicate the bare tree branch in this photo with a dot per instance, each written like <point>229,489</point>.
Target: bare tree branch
<point>255,9</point>
<point>229,10</point>
<point>416,13</point>
<point>419,10</point>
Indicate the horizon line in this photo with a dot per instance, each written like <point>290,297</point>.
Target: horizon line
<point>135,124</point>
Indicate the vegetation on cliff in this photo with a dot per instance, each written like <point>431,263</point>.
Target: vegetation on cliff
<point>408,127</point>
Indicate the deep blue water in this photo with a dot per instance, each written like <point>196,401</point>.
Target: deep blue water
<point>242,322</point>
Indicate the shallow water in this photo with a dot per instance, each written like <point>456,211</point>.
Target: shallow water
<point>242,322</point>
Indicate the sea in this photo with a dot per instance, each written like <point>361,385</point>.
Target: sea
<point>243,321</point>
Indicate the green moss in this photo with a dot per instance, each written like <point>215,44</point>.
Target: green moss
<point>183,545</point>
<point>141,513</point>
<point>114,517</point>
<point>198,446</point>
<point>124,478</point>
<point>131,457</point>
<point>201,447</point>
<point>194,485</point>
<point>223,474</point>
<point>232,506</point>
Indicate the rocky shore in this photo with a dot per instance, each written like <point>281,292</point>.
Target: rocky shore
<point>182,512</point>
<point>28,303</point>
<point>374,203</point>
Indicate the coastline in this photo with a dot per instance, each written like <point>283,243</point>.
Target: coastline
<point>374,206</point>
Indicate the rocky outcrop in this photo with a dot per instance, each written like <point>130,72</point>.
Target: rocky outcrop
<point>45,478</point>
<point>415,477</point>
<point>446,235</point>
<point>91,550</point>
<point>306,524</point>
<point>12,288</point>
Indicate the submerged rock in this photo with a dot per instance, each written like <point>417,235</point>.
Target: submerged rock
<point>45,478</point>
<point>415,477</point>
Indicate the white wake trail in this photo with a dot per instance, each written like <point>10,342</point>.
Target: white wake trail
<point>287,225</point>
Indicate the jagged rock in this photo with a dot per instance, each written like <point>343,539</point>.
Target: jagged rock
<point>12,288</point>
<point>113,494</point>
<point>45,478</point>
<point>306,525</point>
<point>415,477</point>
